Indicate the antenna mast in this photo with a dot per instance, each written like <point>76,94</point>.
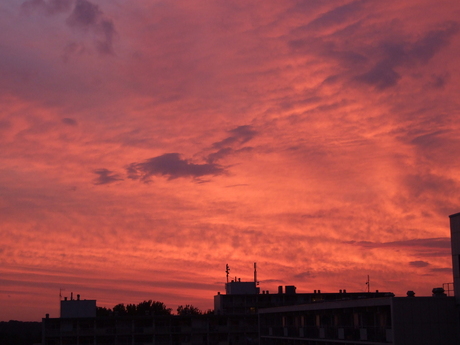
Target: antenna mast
<point>227,270</point>
<point>255,274</point>
<point>368,283</point>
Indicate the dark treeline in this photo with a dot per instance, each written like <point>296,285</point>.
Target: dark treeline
<point>20,333</point>
<point>28,333</point>
<point>149,308</point>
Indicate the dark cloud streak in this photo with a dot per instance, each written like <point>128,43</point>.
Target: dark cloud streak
<point>172,166</point>
<point>432,243</point>
<point>105,177</point>
<point>384,75</point>
<point>419,263</point>
<point>382,64</point>
<point>239,136</point>
<point>69,121</point>
<point>336,16</point>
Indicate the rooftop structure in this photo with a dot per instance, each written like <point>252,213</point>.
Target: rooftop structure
<point>78,308</point>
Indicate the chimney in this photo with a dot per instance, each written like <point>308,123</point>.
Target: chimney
<point>290,289</point>
<point>455,243</point>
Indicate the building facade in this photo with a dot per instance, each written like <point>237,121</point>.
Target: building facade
<point>151,330</point>
<point>386,320</point>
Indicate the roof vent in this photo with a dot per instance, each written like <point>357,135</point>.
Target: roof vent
<point>438,292</point>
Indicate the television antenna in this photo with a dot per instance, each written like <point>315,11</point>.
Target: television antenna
<point>368,283</point>
<point>227,270</point>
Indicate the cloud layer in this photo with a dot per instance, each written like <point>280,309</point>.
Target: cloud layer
<point>147,144</point>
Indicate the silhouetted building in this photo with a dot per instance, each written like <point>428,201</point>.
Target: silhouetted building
<point>243,315</point>
<point>78,308</point>
<point>151,329</point>
<point>249,303</point>
<point>455,243</point>
<point>385,320</point>
<point>235,320</point>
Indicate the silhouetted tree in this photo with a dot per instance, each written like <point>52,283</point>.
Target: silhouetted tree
<point>131,309</point>
<point>101,311</point>
<point>153,308</point>
<point>188,310</point>
<point>144,308</point>
<point>120,309</point>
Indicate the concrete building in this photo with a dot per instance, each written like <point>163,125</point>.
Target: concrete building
<point>385,320</point>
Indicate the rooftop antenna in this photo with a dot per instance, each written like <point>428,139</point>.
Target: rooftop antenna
<point>368,283</point>
<point>255,274</point>
<point>227,270</point>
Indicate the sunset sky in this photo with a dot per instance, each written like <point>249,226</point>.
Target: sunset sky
<point>145,144</point>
